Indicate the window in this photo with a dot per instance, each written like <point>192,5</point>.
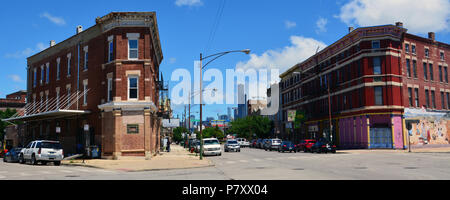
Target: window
<point>427,53</point>
<point>416,97</point>
<point>445,74</point>
<point>57,68</point>
<point>86,56</point>
<point>410,98</point>
<point>408,68</point>
<point>68,64</point>
<point>68,97</point>
<point>132,128</point>
<point>425,71</point>
<point>440,74</point>
<point>415,68</point>
<point>42,74</point>
<point>133,87</point>
<point>85,89</point>
<point>431,72</point>
<point>110,89</point>
<point>442,55</point>
<point>376,65</point>
<point>407,48</point>
<point>378,95</point>
<point>433,100</point>
<point>376,44</point>
<point>47,73</point>
<point>443,100</point>
<point>413,49</point>
<point>133,49</point>
<point>110,51</point>
<point>448,100</point>
<point>427,98</point>
<point>57,99</point>
<point>34,77</point>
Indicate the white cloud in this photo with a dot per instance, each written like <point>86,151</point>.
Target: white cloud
<point>321,24</point>
<point>290,24</point>
<point>299,50</point>
<point>26,52</point>
<point>188,3</point>
<point>16,78</point>
<point>56,20</point>
<point>417,16</point>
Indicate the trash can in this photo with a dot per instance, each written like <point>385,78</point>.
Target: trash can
<point>95,151</point>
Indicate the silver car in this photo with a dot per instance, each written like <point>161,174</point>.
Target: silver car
<point>232,145</point>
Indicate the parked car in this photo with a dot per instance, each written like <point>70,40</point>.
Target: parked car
<point>211,146</point>
<point>305,145</point>
<point>272,144</point>
<point>253,143</point>
<point>42,151</point>
<point>243,142</point>
<point>323,146</point>
<point>259,143</point>
<point>12,155</point>
<point>287,146</point>
<point>232,145</point>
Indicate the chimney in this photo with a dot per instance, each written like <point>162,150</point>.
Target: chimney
<point>350,29</point>
<point>52,43</point>
<point>399,24</point>
<point>79,29</point>
<point>432,36</point>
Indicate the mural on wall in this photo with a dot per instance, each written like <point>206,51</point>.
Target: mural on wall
<point>430,131</point>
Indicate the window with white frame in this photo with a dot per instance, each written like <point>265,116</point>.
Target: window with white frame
<point>442,55</point>
<point>58,60</point>
<point>47,73</point>
<point>109,99</point>
<point>413,49</point>
<point>427,52</point>
<point>85,89</point>
<point>110,48</point>
<point>376,44</point>
<point>133,46</point>
<point>69,56</point>
<point>42,74</point>
<point>86,56</point>
<point>34,77</point>
<point>133,89</point>
<point>378,95</point>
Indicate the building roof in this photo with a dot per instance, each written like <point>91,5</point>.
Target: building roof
<point>104,24</point>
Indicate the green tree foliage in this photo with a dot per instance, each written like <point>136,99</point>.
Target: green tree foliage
<point>250,126</point>
<point>212,132</point>
<point>5,115</point>
<point>178,134</point>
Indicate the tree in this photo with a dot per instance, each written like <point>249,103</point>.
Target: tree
<point>178,133</point>
<point>8,113</point>
<point>252,125</point>
<point>212,132</point>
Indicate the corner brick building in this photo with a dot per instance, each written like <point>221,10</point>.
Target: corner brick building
<point>99,87</point>
<point>379,78</point>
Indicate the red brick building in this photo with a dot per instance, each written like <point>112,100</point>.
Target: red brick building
<point>99,87</point>
<point>16,100</point>
<point>374,75</point>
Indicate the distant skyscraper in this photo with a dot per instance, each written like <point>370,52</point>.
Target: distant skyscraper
<point>242,101</point>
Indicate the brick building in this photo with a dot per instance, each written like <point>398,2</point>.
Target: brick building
<point>99,87</point>
<point>378,78</point>
<point>16,100</point>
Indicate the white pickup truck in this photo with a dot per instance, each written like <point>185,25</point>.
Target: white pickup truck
<point>243,142</point>
<point>42,151</point>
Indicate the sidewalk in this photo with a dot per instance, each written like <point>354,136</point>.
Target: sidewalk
<point>177,158</point>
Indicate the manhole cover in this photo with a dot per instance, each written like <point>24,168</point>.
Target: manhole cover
<point>410,167</point>
<point>72,176</point>
<point>360,167</point>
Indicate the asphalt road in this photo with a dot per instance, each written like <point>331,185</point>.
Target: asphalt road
<point>256,164</point>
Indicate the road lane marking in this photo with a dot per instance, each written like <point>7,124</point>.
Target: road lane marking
<point>230,162</point>
<point>243,161</point>
<point>66,171</point>
<point>257,160</point>
<point>24,174</point>
<point>82,170</point>
<point>45,172</point>
<point>2,177</point>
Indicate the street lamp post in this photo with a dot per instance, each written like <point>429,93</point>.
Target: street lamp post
<point>216,56</point>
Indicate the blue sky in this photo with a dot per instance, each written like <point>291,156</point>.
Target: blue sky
<point>281,33</point>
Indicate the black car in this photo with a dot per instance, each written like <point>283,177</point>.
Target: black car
<point>287,146</point>
<point>323,146</point>
<point>12,155</point>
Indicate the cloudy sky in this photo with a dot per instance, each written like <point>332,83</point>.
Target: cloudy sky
<point>279,33</point>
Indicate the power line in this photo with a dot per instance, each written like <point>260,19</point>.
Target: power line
<point>215,26</point>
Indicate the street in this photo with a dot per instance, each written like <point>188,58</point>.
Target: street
<point>257,164</point>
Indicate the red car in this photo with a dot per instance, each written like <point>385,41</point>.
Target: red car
<point>305,145</point>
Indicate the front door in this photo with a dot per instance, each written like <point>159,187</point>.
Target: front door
<point>381,138</point>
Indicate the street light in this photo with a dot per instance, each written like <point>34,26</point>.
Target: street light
<point>216,56</point>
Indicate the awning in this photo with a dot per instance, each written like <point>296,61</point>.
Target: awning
<point>55,114</point>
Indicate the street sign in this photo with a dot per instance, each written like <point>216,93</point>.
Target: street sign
<point>171,123</point>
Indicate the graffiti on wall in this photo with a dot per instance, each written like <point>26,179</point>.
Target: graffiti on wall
<point>430,131</point>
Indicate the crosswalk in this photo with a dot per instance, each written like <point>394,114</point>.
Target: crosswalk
<point>55,172</point>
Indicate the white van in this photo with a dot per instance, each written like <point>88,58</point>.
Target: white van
<point>211,146</point>
<point>243,142</point>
